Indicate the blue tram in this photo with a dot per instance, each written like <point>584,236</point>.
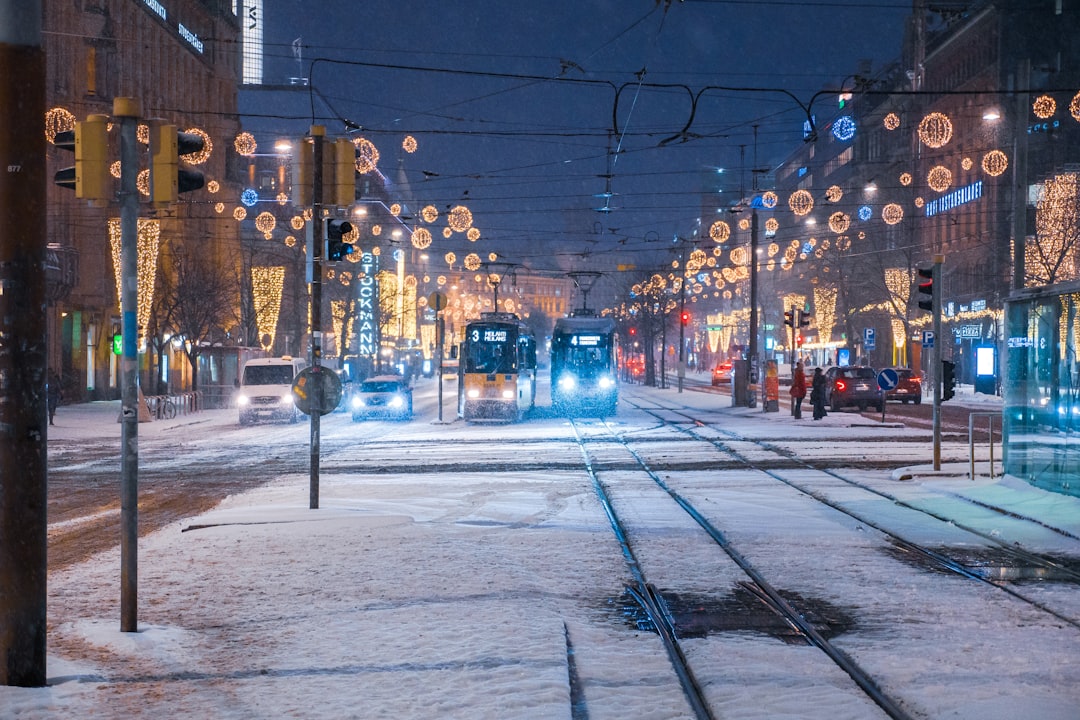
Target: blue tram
<point>583,366</point>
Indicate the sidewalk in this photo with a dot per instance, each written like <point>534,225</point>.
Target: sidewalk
<point>101,419</point>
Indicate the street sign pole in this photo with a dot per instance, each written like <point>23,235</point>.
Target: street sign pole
<point>318,133</point>
<point>936,298</point>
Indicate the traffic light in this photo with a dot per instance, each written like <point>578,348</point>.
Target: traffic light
<point>684,318</point>
<point>926,289</point>
<point>302,173</point>
<point>948,379</point>
<point>804,319</point>
<point>168,177</point>
<point>90,178</point>
<point>343,178</point>
<point>798,340</point>
<point>633,331</point>
<point>789,318</point>
<point>336,247</point>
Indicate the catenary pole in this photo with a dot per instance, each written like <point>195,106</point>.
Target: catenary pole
<point>936,305</point>
<point>23,467</point>
<point>318,133</point>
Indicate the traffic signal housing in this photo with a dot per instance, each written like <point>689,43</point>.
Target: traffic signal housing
<point>926,289</point>
<point>804,319</point>
<point>336,247</point>
<point>89,178</point>
<point>948,379</point>
<point>168,176</point>
<point>789,318</point>
<point>684,318</point>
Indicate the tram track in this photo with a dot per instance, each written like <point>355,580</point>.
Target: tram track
<point>938,558</point>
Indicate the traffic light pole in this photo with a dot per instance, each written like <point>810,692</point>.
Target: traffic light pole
<point>938,341</point>
<point>127,110</point>
<point>318,133</point>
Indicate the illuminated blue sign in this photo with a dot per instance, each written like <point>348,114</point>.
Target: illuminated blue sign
<point>964,195</point>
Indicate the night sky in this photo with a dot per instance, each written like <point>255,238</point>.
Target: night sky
<point>513,104</point>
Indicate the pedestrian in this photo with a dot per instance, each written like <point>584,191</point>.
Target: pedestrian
<point>817,394</point>
<point>53,393</point>
<point>798,390</point>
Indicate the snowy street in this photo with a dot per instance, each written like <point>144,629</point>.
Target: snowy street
<point>455,570</point>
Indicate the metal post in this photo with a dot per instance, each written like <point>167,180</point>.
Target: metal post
<point>23,467</point>
<point>318,133</point>
<point>938,342</point>
<point>127,110</point>
<point>682,308</point>
<point>753,346</point>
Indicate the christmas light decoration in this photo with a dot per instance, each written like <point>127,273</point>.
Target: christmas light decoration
<point>891,121</point>
<point>898,282</point>
<point>472,261</point>
<point>421,238</point>
<point>744,224</point>
<point>376,230</point>
<point>773,249</point>
<point>447,232</point>
<point>995,162</point>
<point>769,199</point>
<point>492,257</point>
<point>367,155</point>
<point>720,231</point>
<point>839,222</point>
<point>265,222</point>
<point>1057,215</point>
<point>1074,107</point>
<point>825,311</point>
<point>450,258</point>
<point>919,202</point>
<point>296,222</point>
<point>1044,107</point>
<point>57,120</point>
<point>843,128</point>
<point>267,283</point>
<point>282,198</point>
<point>892,214</point>
<point>801,202</point>
<point>239,213</point>
<point>245,144</point>
<point>114,169</point>
<point>142,182</point>
<point>200,156</point>
<point>865,213</point>
<point>430,213</point>
<point>459,219</point>
<point>219,208</point>
<point>935,130</point>
<point>834,193</point>
<point>905,179</point>
<point>939,178</point>
<point>472,234</point>
<point>441,280</point>
<point>148,236</point>
<point>966,163</point>
<point>772,225</point>
<point>290,241</point>
<point>395,209</point>
<point>409,145</point>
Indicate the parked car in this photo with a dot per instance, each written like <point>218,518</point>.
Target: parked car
<point>382,396</point>
<point>908,389</point>
<point>721,373</point>
<point>852,385</point>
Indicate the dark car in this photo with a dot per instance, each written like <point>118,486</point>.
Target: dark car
<point>909,387</point>
<point>721,373</point>
<point>853,385</point>
<point>383,396</point>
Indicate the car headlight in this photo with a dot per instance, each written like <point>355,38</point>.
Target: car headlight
<point>358,402</point>
<point>567,382</point>
<point>242,400</point>
<point>397,402</point>
<point>287,398</point>
<point>606,382</point>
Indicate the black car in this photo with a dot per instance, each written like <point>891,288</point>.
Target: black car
<point>853,385</point>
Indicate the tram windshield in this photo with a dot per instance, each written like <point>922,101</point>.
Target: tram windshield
<point>491,349</point>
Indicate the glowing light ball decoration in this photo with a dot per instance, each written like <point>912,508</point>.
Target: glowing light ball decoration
<point>441,280</point>
<point>892,214</point>
<point>739,256</point>
<point>57,120</point>
<point>249,197</point>
<point>430,213</point>
<point>421,238</point>
<point>219,208</point>
<point>460,219</point>
<point>939,178</point>
<point>265,223</point>
<point>834,193</point>
<point>773,249</point>
<point>839,222</point>
<point>239,213</point>
<point>447,232</point>
<point>919,202</point>
<point>142,133</point>
<point>213,186</point>
<point>744,224</point>
<point>865,213</point>
<point>395,209</point>
<point>1044,107</point>
<point>1074,107</point>
<point>935,130</point>
<point>114,169</point>
<point>472,261</point>
<point>801,202</point>
<point>769,199</point>
<point>772,225</point>
<point>290,241</point>
<point>891,121</point>
<point>966,163</point>
<point>492,257</point>
<point>450,258</point>
<point>353,236</point>
<point>367,155</point>
<point>409,144</point>
<point>844,128</point>
<point>282,198</point>
<point>296,222</point>
<point>198,158</point>
<point>720,231</point>
<point>905,179</point>
<point>995,162</point>
<point>472,234</point>
<point>245,144</point>
<point>376,230</point>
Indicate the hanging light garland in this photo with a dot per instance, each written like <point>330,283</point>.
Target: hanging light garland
<point>939,178</point>
<point>1074,107</point>
<point>1044,107</point>
<point>801,202</point>
<point>266,287</point>
<point>720,231</point>
<point>200,156</point>
<point>935,130</point>
<point>995,162</point>
<point>367,155</point>
<point>825,311</point>
<point>148,236</point>
<point>57,120</point>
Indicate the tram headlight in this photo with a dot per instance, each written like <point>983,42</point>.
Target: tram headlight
<point>242,400</point>
<point>567,382</point>
<point>606,383</point>
<point>474,393</point>
<point>508,394</point>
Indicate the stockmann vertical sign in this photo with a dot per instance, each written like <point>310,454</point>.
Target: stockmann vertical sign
<point>367,296</point>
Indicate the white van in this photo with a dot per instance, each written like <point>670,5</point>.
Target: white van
<point>266,389</point>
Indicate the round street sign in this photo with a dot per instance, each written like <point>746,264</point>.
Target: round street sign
<point>306,385</point>
<point>887,379</point>
<point>437,301</point>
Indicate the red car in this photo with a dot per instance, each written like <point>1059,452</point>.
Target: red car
<point>721,374</point>
<point>909,389</point>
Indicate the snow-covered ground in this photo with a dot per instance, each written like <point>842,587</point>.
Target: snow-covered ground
<point>450,594</point>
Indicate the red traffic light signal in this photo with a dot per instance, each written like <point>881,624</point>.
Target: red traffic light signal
<point>684,318</point>
<point>633,331</point>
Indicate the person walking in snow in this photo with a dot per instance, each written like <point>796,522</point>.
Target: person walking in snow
<point>817,394</point>
<point>53,394</point>
<point>798,390</point>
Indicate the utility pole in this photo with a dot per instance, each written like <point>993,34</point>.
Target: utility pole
<point>23,467</point>
<point>938,260</point>
<point>318,133</point>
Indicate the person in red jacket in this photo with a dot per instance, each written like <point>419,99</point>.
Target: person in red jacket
<point>798,390</point>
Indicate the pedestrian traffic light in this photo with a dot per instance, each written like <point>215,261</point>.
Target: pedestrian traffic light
<point>789,318</point>
<point>684,318</point>
<point>798,340</point>
<point>948,379</point>
<point>336,247</point>
<point>926,289</point>
<point>89,178</point>
<point>804,319</point>
<point>168,176</point>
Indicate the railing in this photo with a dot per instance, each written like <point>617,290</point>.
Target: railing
<point>971,439</point>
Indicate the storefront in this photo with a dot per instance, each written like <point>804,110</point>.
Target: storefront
<point>1041,387</point>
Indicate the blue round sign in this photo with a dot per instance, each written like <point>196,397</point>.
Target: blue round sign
<point>887,379</point>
